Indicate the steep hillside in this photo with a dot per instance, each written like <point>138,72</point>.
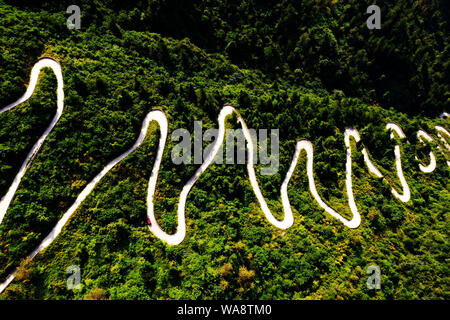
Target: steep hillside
<point>308,68</point>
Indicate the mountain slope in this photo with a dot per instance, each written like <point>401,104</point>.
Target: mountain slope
<point>113,77</point>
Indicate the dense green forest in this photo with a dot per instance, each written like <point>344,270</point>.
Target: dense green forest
<point>308,68</point>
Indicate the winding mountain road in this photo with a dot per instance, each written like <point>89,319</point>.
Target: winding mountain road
<point>160,118</point>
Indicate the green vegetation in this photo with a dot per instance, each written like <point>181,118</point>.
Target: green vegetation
<point>309,68</point>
